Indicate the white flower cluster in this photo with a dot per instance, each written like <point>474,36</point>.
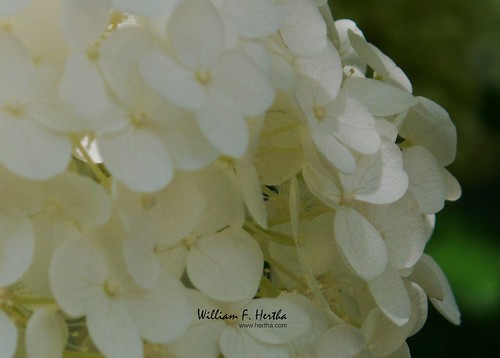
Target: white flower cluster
<point>172,170</point>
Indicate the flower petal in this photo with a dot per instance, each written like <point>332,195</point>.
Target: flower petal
<point>113,331</point>
<point>16,247</point>
<point>46,335</point>
<point>172,81</point>
<point>426,181</point>
<point>223,125</point>
<point>16,66</point>
<point>83,22</point>
<point>390,294</point>
<point>345,340</point>
<point>304,30</point>
<point>361,245</point>
<point>226,266</point>
<point>8,338</point>
<point>162,314</point>
<point>380,98</point>
<point>196,47</point>
<point>325,68</point>
<point>136,157</point>
<point>144,7</point>
<point>243,81</point>
<point>8,7</point>
<point>255,18</point>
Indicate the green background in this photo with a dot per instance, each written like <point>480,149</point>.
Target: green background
<point>450,50</point>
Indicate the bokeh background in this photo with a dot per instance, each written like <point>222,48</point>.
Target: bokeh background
<point>450,50</point>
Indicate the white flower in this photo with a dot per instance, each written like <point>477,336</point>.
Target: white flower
<point>337,124</point>
<point>30,143</point>
<point>67,204</point>
<point>379,179</point>
<point>222,86</point>
<point>117,311</point>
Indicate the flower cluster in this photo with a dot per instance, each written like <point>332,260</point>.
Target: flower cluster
<point>171,169</point>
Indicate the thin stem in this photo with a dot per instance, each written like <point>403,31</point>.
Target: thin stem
<point>93,166</point>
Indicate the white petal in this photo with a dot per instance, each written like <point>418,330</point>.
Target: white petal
<point>255,18</point>
<point>453,186</point>
<point>83,22</point>
<point>304,30</point>
<point>380,98</point>
<point>79,288</point>
<point>12,6</point>
<point>226,266</point>
<point>196,47</point>
<point>113,332</point>
<point>200,341</point>
<point>297,320</point>
<point>361,245</point>
<point>172,81</point>
<point>321,181</point>
<point>46,335</point>
<point>426,181</point>
<point>142,261</point>
<point>381,63</point>
<point>446,304</point>
<point>343,341</point>
<point>380,178</point>
<point>279,155</point>
<point>356,126</point>
<point>8,338</point>
<point>16,248</point>
<point>425,275</point>
<point>51,232</point>
<point>306,343</point>
<point>187,146</point>
<point>402,352</point>
<point>390,294</point>
<point>419,308</point>
<point>382,335</point>
<point>223,125</point>
<point>252,192</point>
<point>403,229</point>
<point>144,7</point>
<point>326,69</point>
<point>16,66</point>
<point>237,343</point>
<point>84,90</point>
<point>244,82</point>
<point>226,206</point>
<point>79,197</point>
<point>430,126</point>
<point>33,151</point>
<point>334,151</point>
<point>136,157</point>
<point>162,314</point>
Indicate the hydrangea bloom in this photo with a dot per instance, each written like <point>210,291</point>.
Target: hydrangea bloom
<point>266,183</point>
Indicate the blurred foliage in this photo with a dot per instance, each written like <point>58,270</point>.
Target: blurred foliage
<point>450,50</point>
